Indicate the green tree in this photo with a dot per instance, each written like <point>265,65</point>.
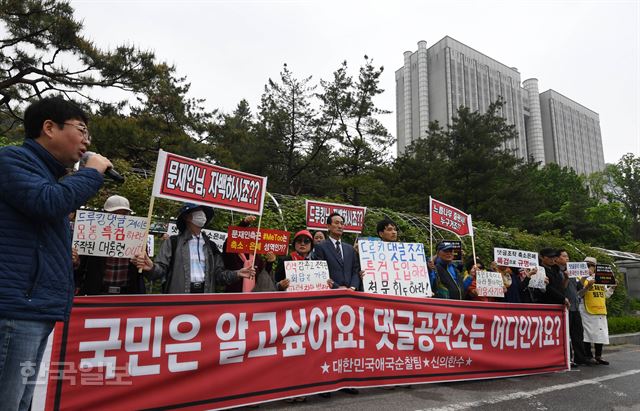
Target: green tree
<point>44,52</point>
<point>363,141</point>
<point>290,131</point>
<point>626,177</point>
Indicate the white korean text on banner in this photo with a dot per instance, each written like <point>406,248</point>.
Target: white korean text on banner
<point>307,275</point>
<point>184,179</point>
<point>578,269</point>
<point>449,218</point>
<point>515,258</point>
<point>394,268</point>
<point>109,235</point>
<point>317,213</point>
<point>489,284</point>
<point>217,351</point>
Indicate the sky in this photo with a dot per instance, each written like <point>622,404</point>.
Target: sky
<point>588,51</point>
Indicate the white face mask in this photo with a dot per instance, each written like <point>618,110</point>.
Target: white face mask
<point>199,218</point>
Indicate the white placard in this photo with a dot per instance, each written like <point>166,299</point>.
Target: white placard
<point>537,280</point>
<point>394,268</point>
<point>217,237</point>
<point>515,258</point>
<point>150,245</point>
<point>307,275</point>
<point>109,235</point>
<point>578,270</point>
<point>489,284</point>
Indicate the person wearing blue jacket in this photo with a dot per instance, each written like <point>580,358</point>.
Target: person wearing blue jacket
<point>36,274</point>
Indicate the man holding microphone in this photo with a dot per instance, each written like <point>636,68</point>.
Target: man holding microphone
<point>36,275</point>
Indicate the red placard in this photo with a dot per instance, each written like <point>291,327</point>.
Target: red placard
<point>243,240</point>
<point>317,213</point>
<point>204,351</point>
<point>449,218</point>
<point>184,179</point>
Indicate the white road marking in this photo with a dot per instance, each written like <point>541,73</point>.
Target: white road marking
<point>529,394</point>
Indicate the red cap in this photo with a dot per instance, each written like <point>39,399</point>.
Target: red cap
<point>305,233</point>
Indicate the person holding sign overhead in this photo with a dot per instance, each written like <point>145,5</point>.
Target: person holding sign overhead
<point>594,313</point>
<point>189,262</point>
<point>109,275</point>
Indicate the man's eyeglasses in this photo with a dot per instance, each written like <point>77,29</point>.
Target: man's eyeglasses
<point>83,129</point>
<point>303,241</point>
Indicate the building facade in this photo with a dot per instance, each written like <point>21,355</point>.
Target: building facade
<point>434,82</point>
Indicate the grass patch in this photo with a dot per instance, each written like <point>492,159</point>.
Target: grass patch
<point>623,325</point>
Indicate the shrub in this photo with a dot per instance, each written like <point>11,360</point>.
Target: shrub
<point>622,325</point>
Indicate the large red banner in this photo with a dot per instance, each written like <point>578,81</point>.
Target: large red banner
<point>209,351</point>
<point>184,179</point>
<point>317,213</point>
<point>449,218</point>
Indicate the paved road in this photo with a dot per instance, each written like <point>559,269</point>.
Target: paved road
<point>599,388</point>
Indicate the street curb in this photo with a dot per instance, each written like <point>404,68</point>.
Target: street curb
<point>630,338</point>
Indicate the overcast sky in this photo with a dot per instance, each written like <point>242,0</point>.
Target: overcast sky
<point>586,50</point>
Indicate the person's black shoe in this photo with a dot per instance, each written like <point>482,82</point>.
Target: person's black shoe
<point>351,391</point>
<point>325,395</point>
<point>573,364</point>
<point>601,361</point>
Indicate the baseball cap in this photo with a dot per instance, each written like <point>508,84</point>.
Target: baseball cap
<point>115,203</point>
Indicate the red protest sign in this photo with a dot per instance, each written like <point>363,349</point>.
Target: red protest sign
<point>317,213</point>
<point>203,351</point>
<point>449,218</point>
<point>184,179</point>
<point>243,240</point>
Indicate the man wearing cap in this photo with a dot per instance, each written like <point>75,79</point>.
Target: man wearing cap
<point>109,275</point>
<point>554,292</point>
<point>190,262</point>
<point>594,313</point>
<point>446,280</point>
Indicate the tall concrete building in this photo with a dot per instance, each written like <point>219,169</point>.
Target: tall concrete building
<point>434,82</point>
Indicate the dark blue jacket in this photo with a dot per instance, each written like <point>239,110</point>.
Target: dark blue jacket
<point>343,271</point>
<point>36,276</point>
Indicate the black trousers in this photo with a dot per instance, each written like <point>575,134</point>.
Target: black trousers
<point>587,350</point>
<point>575,333</point>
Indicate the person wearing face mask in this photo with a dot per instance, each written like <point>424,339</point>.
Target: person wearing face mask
<point>302,244</point>
<point>189,262</point>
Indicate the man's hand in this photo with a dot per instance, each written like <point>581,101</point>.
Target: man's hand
<point>98,162</point>
<point>567,303</point>
<point>75,257</point>
<point>270,257</point>
<point>246,272</point>
<point>142,262</point>
<point>284,284</point>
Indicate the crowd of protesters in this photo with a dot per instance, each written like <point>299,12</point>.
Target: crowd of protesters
<point>38,265</point>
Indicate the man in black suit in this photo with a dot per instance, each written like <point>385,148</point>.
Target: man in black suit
<point>340,257</point>
<point>342,263</point>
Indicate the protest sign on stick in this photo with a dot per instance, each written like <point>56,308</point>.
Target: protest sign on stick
<point>184,179</point>
<point>394,268</point>
<point>317,213</point>
<point>451,219</point>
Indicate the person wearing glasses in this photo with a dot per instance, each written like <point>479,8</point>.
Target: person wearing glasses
<point>36,272</point>
<point>302,247</point>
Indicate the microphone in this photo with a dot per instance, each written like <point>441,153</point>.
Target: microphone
<point>109,172</point>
